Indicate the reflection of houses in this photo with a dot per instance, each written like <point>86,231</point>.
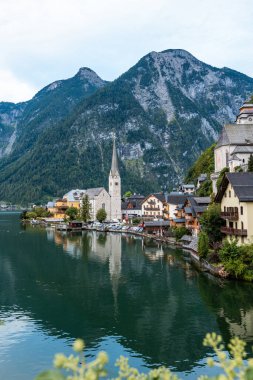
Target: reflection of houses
<point>132,206</point>
<point>236,197</point>
<point>235,143</point>
<point>153,206</point>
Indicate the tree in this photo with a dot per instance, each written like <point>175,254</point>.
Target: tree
<point>203,244</point>
<point>127,194</point>
<point>222,172</point>
<point>250,163</point>
<point>211,223</point>
<point>101,215</point>
<point>85,211</point>
<point>179,232</point>
<point>72,213</point>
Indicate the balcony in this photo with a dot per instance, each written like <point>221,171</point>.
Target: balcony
<point>146,208</point>
<point>229,215</point>
<point>233,231</point>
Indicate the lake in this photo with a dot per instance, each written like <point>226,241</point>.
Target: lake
<point>119,293</point>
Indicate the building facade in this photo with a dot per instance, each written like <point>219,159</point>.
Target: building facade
<point>235,144</point>
<point>236,198</point>
<point>115,186</point>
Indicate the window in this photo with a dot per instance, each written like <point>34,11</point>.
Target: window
<point>103,206</point>
<point>116,183</point>
<point>225,194</point>
<point>229,194</point>
<point>241,210</point>
<point>242,225</point>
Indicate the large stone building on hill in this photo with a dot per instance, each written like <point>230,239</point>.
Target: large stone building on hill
<point>235,144</point>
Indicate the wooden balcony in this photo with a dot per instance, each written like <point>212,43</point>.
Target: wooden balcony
<point>229,215</point>
<point>146,208</point>
<point>233,231</point>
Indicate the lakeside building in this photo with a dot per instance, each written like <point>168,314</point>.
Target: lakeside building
<point>153,206</point>
<point>193,210</point>
<point>99,197</point>
<point>188,188</point>
<point>235,144</point>
<point>132,207</point>
<point>236,198</point>
<point>175,200</point>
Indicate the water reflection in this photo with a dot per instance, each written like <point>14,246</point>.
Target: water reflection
<point>120,293</point>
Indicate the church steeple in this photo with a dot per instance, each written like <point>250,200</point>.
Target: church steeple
<point>115,185</point>
<point>115,167</point>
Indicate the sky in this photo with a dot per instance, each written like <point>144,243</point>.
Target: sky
<point>45,40</point>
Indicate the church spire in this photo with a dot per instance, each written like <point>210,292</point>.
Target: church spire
<point>114,167</point>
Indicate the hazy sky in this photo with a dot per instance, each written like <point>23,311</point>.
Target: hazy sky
<point>45,40</point>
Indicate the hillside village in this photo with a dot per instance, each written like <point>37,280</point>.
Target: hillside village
<point>183,208</point>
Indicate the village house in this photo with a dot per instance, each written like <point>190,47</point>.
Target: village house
<point>132,207</point>
<point>236,198</point>
<point>235,144</point>
<point>193,209</point>
<point>201,179</point>
<point>153,206</point>
<point>175,200</point>
<point>188,188</point>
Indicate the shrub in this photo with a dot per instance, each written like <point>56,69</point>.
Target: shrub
<point>203,244</point>
<point>179,232</point>
<point>237,260</point>
<point>101,215</point>
<point>136,221</point>
<point>211,223</point>
<point>232,364</point>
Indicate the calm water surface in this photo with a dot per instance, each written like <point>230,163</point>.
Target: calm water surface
<point>120,294</point>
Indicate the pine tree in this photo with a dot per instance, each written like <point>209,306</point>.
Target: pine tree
<point>250,163</point>
<point>85,211</point>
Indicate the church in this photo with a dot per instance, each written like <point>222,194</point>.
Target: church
<point>99,197</point>
<point>235,144</point>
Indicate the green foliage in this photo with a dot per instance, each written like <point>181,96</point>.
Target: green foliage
<point>179,232</point>
<point>237,260</point>
<point>85,212</point>
<point>136,221</point>
<point>127,194</point>
<point>204,164</point>
<point>101,215</point>
<point>205,189</point>
<point>232,365</point>
<point>211,223</point>
<point>31,215</point>
<point>37,212</point>
<point>72,213</point>
<point>250,163</point>
<point>222,172</point>
<point>203,244</point>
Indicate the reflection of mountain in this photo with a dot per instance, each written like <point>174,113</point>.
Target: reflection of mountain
<point>110,287</point>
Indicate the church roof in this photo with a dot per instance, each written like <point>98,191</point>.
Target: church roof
<point>236,134</point>
<point>243,149</point>
<point>77,194</point>
<point>115,166</point>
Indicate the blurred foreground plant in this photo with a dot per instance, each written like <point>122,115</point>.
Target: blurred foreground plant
<point>232,366</point>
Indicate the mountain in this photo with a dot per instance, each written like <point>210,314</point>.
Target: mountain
<point>165,111</point>
<point>22,123</point>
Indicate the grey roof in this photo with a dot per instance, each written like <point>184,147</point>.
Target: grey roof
<point>236,134</point>
<point>77,194</point>
<point>189,186</point>
<point>179,220</point>
<point>93,192</point>
<point>176,199</point>
<point>188,210</point>
<point>202,200</point>
<point>115,166</point>
<point>242,184</point>
<point>157,223</point>
<point>243,149</point>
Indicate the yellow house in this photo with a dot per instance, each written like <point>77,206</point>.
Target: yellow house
<point>236,198</point>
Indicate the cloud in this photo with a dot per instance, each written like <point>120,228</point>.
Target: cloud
<point>14,90</point>
<point>42,41</point>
